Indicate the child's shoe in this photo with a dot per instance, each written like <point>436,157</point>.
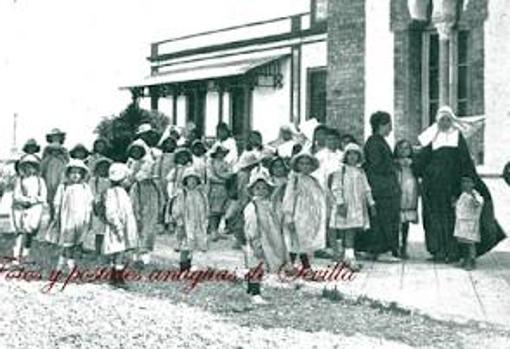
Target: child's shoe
<point>470,265</point>
<point>258,300</point>
<point>353,265</point>
<point>403,252</point>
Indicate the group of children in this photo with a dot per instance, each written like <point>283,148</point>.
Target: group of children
<point>282,201</point>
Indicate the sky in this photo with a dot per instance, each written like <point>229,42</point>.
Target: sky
<point>62,61</point>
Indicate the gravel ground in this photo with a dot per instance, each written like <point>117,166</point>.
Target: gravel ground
<point>214,315</point>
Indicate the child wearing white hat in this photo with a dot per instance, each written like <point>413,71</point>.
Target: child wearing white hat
<point>29,198</point>
<point>121,234</point>
<point>304,209</point>
<point>190,211</point>
<point>73,212</point>
<point>353,202</point>
<point>263,229</point>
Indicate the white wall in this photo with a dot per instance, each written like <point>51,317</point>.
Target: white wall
<point>145,103</point>
<point>181,110</point>
<point>212,105</point>
<point>312,55</point>
<point>497,87</point>
<point>271,107</point>
<point>226,107</point>
<point>165,106</point>
<point>379,71</point>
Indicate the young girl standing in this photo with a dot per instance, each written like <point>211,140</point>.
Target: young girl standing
<point>146,196</point>
<point>182,160</point>
<point>218,172</point>
<point>409,192</point>
<point>73,212</point>
<point>99,183</point>
<point>120,234</point>
<point>304,208</point>
<point>352,200</point>
<point>190,212</point>
<point>263,229</point>
<point>199,151</point>
<point>468,210</point>
<point>29,198</point>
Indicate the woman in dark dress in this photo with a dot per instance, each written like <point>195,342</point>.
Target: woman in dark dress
<point>382,177</point>
<point>441,163</point>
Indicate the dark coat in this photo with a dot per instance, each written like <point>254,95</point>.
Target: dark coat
<point>380,168</point>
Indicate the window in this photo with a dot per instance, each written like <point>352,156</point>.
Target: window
<point>316,92</point>
<point>462,73</point>
<point>319,11</point>
<point>459,86</point>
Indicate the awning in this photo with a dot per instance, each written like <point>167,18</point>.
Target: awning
<point>211,68</point>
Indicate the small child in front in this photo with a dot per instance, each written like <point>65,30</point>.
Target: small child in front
<point>468,210</point>
<point>263,229</point>
<point>28,201</point>
<point>121,234</point>
<point>73,212</point>
<point>304,210</point>
<point>190,212</point>
<point>353,202</point>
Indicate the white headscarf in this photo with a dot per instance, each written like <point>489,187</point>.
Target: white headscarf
<point>450,138</point>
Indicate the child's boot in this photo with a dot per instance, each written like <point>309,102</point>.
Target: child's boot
<point>471,259</point>
<point>119,277</point>
<point>305,261</point>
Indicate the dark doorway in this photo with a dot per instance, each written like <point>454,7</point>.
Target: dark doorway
<point>240,99</point>
<point>195,111</point>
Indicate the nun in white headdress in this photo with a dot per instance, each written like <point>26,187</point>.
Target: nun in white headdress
<point>441,164</point>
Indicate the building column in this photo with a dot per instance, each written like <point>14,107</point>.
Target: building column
<point>346,66</point>
<point>444,30</point>
<point>295,90</point>
<point>154,96</point>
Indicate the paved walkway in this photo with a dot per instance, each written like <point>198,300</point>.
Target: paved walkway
<point>440,291</point>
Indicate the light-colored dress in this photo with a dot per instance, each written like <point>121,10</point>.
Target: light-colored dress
<point>174,186</point>
<point>29,198</point>
<point>329,162</point>
<point>200,166</point>
<point>73,212</point>
<point>120,232</point>
<point>98,185</point>
<point>264,235</point>
<point>409,191</point>
<point>304,204</point>
<point>232,155</point>
<point>349,187</point>
<point>164,166</point>
<point>468,210</point>
<point>190,212</point>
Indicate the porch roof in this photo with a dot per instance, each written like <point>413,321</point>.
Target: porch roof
<point>211,68</point>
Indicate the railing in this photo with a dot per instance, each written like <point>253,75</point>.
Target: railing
<point>247,31</point>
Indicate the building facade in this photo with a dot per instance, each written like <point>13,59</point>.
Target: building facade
<point>340,62</point>
<point>408,57</point>
<point>255,76</point>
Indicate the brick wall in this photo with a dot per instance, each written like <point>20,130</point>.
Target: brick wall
<point>346,66</point>
<point>407,102</point>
